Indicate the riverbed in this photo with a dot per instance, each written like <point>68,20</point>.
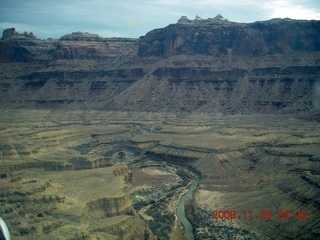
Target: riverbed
<point>181,212</point>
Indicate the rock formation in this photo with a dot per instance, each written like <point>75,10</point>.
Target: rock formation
<point>202,65</point>
<point>83,174</point>
<point>54,184</point>
<point>101,136</point>
<point>10,33</point>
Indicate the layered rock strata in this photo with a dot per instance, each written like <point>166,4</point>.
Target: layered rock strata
<point>59,179</point>
<point>246,162</point>
<point>64,169</point>
<point>211,65</point>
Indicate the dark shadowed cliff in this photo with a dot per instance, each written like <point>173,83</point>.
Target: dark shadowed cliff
<point>210,65</point>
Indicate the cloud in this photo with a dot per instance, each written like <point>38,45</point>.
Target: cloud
<point>292,9</point>
<point>135,18</point>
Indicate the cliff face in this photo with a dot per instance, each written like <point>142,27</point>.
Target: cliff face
<point>219,37</point>
<point>208,65</point>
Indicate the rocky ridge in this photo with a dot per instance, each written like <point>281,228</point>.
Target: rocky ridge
<point>202,65</point>
<point>64,168</point>
<point>11,33</point>
<point>55,184</point>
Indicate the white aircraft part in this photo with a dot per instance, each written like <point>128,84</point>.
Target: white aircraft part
<point>4,229</point>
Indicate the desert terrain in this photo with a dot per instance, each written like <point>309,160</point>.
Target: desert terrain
<point>118,175</point>
<point>106,138</point>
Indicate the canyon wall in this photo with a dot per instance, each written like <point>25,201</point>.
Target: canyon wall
<point>211,65</point>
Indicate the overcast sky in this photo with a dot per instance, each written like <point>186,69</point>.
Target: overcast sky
<point>134,18</point>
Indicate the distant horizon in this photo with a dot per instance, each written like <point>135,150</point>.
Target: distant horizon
<point>132,19</point>
<point>35,34</point>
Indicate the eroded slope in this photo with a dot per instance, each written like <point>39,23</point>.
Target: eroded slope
<point>77,174</point>
<point>193,66</point>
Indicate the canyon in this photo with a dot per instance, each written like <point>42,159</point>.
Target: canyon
<point>117,175</point>
<point>192,66</point>
<point>101,137</point>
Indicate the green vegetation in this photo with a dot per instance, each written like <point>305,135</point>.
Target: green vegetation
<point>207,228</point>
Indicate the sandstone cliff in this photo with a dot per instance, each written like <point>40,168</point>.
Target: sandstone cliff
<point>210,65</point>
<point>220,37</point>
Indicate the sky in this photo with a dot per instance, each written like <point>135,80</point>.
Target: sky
<point>134,18</point>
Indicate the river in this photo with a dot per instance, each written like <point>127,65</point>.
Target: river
<point>181,212</point>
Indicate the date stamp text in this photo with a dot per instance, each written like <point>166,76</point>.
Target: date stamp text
<point>263,215</point>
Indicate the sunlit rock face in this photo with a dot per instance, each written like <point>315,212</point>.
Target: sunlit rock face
<point>202,65</point>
